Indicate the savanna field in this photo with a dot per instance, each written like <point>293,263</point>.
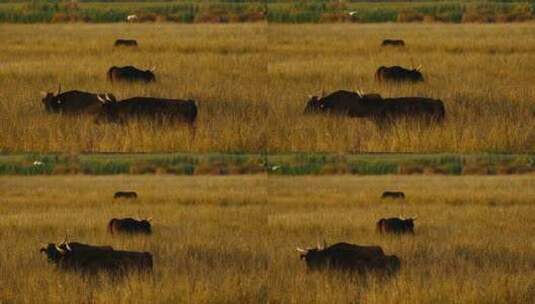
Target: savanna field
<point>232,239</point>
<point>252,82</point>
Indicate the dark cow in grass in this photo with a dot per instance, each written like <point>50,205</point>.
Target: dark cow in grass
<point>125,42</point>
<point>129,226</point>
<point>398,74</point>
<point>130,74</point>
<point>396,225</point>
<point>92,259</point>
<point>393,195</point>
<point>373,106</point>
<point>160,109</point>
<point>393,42</point>
<point>125,195</point>
<point>350,258</point>
<point>73,102</point>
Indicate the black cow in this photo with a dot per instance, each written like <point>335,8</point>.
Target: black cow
<point>352,104</point>
<point>396,225</point>
<point>125,42</point>
<point>125,194</point>
<point>393,195</point>
<point>129,225</point>
<point>373,106</point>
<point>398,74</point>
<point>407,107</point>
<point>92,259</point>
<point>393,42</point>
<point>148,107</point>
<point>73,102</point>
<point>130,74</point>
<point>350,258</point>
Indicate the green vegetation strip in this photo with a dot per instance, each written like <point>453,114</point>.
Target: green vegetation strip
<point>188,11</point>
<point>280,164</point>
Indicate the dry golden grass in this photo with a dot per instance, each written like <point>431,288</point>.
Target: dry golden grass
<point>232,239</point>
<point>252,82</point>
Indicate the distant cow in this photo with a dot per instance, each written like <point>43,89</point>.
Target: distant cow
<point>398,74</point>
<point>149,107</point>
<point>125,194</point>
<point>393,42</point>
<point>393,195</point>
<point>130,74</point>
<point>396,225</point>
<point>73,102</point>
<point>373,106</point>
<point>129,225</point>
<point>350,258</point>
<point>92,259</point>
<point>125,42</point>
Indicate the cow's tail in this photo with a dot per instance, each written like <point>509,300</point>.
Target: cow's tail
<point>379,226</point>
<point>110,74</point>
<point>378,74</point>
<point>110,226</point>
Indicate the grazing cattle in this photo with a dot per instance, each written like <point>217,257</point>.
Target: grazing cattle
<point>398,74</point>
<point>130,74</point>
<point>393,195</point>
<point>125,42</point>
<point>148,107</point>
<point>73,102</point>
<point>125,194</point>
<point>350,258</point>
<point>396,225</point>
<point>92,259</point>
<point>373,106</point>
<point>129,225</point>
<point>393,42</point>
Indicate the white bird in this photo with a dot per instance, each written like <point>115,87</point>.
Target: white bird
<point>352,13</point>
<point>38,163</point>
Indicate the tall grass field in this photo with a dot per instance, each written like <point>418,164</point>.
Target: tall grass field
<point>232,239</point>
<point>252,83</point>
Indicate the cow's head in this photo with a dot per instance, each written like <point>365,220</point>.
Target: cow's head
<point>314,257</point>
<point>51,101</point>
<point>314,104</point>
<point>108,113</point>
<point>416,74</point>
<point>149,75</point>
<point>409,222</point>
<point>54,252</point>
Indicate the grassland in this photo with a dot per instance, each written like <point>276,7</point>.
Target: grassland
<point>232,239</point>
<point>252,82</point>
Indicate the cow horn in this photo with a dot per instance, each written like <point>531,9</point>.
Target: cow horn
<point>153,69</point>
<point>149,219</point>
<point>108,98</point>
<point>359,93</point>
<point>414,218</point>
<point>301,250</point>
<point>59,88</point>
<point>102,100</point>
<point>59,249</point>
<point>68,247</point>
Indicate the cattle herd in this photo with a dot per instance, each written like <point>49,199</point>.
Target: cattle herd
<point>106,108</point>
<point>345,257</point>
